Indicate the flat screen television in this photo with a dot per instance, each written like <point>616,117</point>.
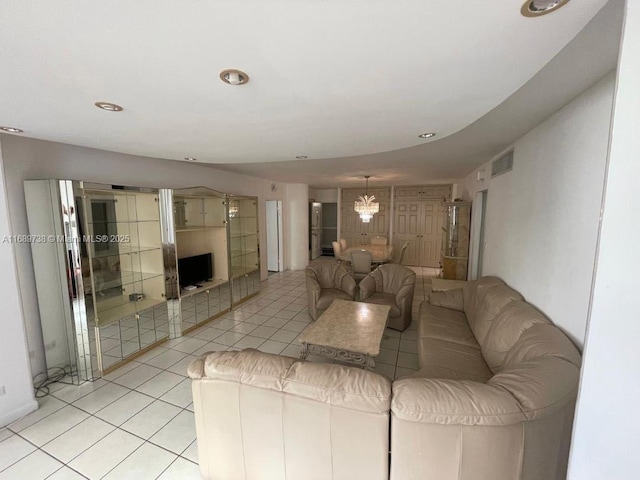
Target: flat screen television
<point>192,270</point>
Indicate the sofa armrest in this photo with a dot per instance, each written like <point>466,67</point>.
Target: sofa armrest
<point>452,299</point>
<point>454,402</point>
<point>367,287</point>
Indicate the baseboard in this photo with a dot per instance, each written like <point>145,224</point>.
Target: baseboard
<point>9,418</point>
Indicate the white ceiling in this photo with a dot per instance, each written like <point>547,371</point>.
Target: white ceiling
<point>329,78</point>
<point>589,57</point>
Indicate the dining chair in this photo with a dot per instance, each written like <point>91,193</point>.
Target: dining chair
<point>336,250</point>
<point>402,252</point>
<point>361,263</point>
<point>343,244</point>
<point>378,240</point>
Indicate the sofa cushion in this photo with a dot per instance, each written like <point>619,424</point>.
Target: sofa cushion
<point>444,373</point>
<point>440,316</point>
<point>449,402</point>
<point>505,330</point>
<point>435,354</point>
<point>489,303</point>
<point>541,386</point>
<point>540,340</point>
<point>337,385</point>
<point>385,299</point>
<point>252,367</point>
<point>471,290</point>
<point>329,295</point>
<point>340,386</point>
<point>448,299</point>
<point>445,324</point>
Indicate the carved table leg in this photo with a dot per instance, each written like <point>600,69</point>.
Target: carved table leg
<point>371,364</point>
<point>304,351</point>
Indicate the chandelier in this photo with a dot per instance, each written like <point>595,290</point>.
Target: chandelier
<point>233,209</point>
<point>366,205</point>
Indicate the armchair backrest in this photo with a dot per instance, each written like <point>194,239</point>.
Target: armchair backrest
<point>391,278</point>
<point>361,261</point>
<point>343,244</point>
<point>330,275</point>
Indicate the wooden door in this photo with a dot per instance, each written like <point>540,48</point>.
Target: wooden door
<point>407,223</point>
<point>431,223</point>
<point>351,226</point>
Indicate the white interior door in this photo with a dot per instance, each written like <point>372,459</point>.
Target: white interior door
<point>407,229</point>
<point>274,236</point>
<point>431,233</point>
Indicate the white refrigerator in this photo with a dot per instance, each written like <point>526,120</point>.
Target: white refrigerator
<point>315,230</point>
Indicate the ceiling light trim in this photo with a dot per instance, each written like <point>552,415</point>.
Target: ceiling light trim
<point>427,135</point>
<point>232,76</point>
<point>11,130</point>
<point>530,10</point>
<point>109,107</point>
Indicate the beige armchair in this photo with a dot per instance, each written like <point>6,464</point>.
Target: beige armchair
<point>327,281</point>
<point>391,284</point>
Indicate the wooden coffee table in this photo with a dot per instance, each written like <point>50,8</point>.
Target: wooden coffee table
<point>347,331</point>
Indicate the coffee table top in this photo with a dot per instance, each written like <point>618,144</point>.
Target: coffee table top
<point>353,326</point>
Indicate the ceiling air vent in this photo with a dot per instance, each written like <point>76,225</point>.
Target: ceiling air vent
<point>502,165</point>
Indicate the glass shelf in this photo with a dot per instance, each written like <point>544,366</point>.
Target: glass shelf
<point>123,251</point>
<point>121,278</point>
<point>122,310</point>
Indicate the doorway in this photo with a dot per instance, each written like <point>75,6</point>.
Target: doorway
<point>478,213</point>
<point>275,257</point>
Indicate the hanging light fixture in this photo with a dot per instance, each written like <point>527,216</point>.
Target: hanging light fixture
<point>366,205</point>
<point>233,209</point>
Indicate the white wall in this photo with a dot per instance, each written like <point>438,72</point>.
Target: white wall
<point>607,426</point>
<point>36,159</point>
<point>542,217</point>
<point>323,195</point>
<point>15,377</point>
<point>297,211</point>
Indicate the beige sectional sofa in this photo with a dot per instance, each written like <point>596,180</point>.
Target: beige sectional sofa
<point>495,395</point>
<point>268,417</point>
<point>493,399</point>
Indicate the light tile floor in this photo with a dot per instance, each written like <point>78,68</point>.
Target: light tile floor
<point>137,422</point>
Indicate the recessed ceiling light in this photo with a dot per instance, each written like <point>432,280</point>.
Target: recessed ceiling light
<point>10,129</point>
<point>301,157</point>
<point>427,135</point>
<point>535,8</point>
<point>109,107</point>
<point>234,77</point>
<point>190,159</point>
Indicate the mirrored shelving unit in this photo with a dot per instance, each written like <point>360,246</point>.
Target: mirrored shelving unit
<point>99,273</point>
<point>199,281</point>
<point>244,249</point>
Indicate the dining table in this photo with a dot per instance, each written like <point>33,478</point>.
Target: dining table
<point>379,253</point>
